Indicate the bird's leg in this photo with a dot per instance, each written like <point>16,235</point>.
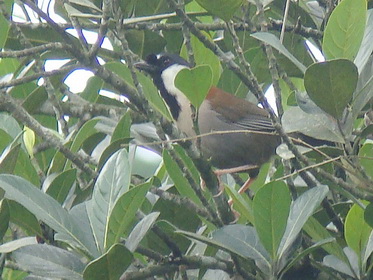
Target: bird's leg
<point>237,169</point>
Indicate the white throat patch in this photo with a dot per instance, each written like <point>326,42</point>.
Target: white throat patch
<point>184,122</point>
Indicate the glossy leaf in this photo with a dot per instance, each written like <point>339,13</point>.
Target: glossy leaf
<point>122,129</point>
<point>351,268</point>
<point>357,231</point>
<point>4,22</point>
<point>109,266</point>
<point>366,158</point>
<point>271,209</point>
<point>124,211</point>
<point>237,239</point>
<point>9,125</point>
<point>204,56</point>
<point>11,246</point>
<point>46,209</point>
<point>364,89</point>
<point>366,47</point>
<point>308,251</point>
<point>49,261</point>
<point>140,230</point>
<point>241,239</point>
<point>301,209</point>
<point>195,83</point>
<point>58,186</point>
<point>23,218</point>
<point>4,217</point>
<point>8,159</point>
<point>112,182</point>
<point>224,9</point>
<point>331,85</point>
<point>144,42</point>
<point>319,126</point>
<point>181,183</point>
<point>149,90</point>
<point>345,29</point>
<point>29,140</point>
<point>318,233</point>
<point>241,205</point>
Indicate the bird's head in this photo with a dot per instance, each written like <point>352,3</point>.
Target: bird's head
<point>157,65</point>
<point>163,68</point>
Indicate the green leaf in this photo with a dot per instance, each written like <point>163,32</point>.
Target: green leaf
<point>4,218</point>
<point>295,261</point>
<point>366,158</point>
<point>273,41</point>
<point>224,9</point>
<point>368,214</point>
<point>4,23</point>
<point>29,140</point>
<point>84,132</point>
<point>152,95</point>
<point>350,268</point>
<point>140,230</point>
<point>49,261</point>
<point>271,209</point>
<point>46,209</point>
<point>149,89</point>
<point>242,239</point>
<point>331,84</point>
<point>122,129</point>
<point>204,56</point>
<point>11,246</point>
<point>357,231</point>
<point>318,233</point>
<point>111,149</point>
<point>23,218</point>
<point>301,209</point>
<point>59,185</point>
<point>8,159</point>
<point>364,89</point>
<point>237,239</point>
<point>316,125</point>
<point>366,47</point>
<point>112,182</point>
<point>240,204</point>
<point>109,266</point>
<point>195,83</point>
<point>144,42</point>
<point>123,213</point>
<point>9,125</point>
<point>181,183</point>
<point>345,29</point>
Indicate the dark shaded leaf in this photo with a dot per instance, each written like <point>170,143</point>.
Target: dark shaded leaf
<point>109,266</point>
<point>224,9</point>
<point>331,84</point>
<point>271,209</point>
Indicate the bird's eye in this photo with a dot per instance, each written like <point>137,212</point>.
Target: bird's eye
<point>166,61</point>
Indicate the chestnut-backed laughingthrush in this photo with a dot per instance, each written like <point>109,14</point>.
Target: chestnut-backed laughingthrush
<point>220,111</point>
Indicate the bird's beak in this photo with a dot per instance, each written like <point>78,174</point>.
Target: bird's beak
<point>146,67</point>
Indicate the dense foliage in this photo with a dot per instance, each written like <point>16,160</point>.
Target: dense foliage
<point>99,184</point>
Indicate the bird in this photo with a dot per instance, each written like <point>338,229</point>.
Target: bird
<point>235,134</point>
